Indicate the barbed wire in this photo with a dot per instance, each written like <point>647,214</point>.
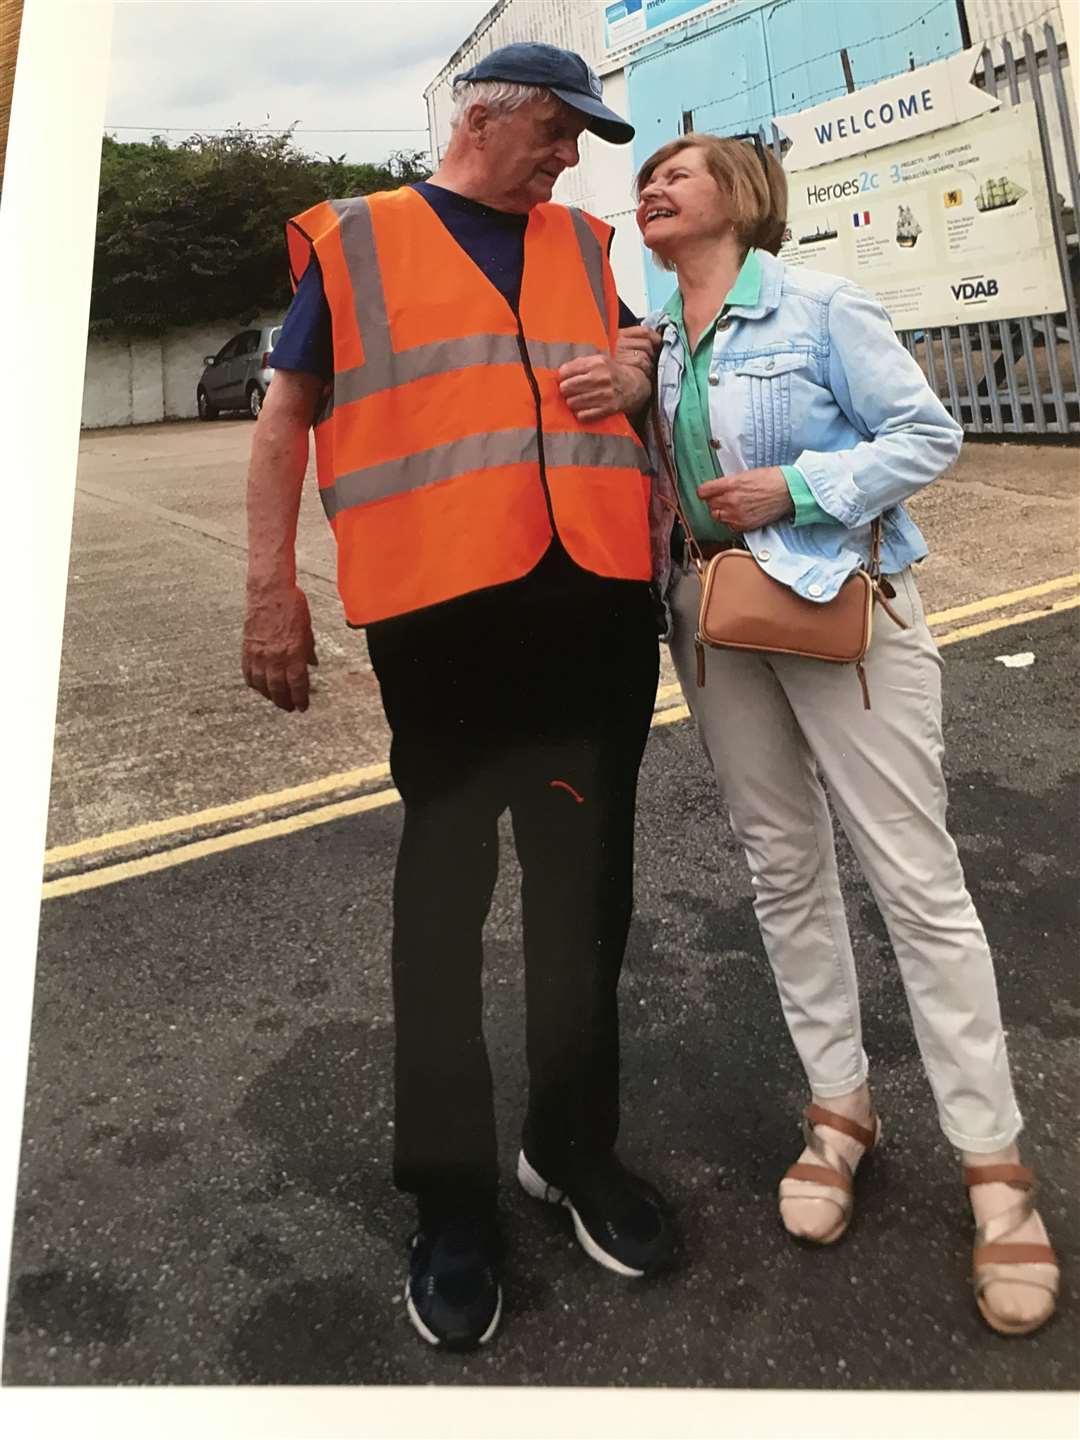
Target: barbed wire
<point>826,55</point>
<point>837,91</point>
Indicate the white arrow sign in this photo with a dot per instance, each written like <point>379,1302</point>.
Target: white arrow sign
<point>913,103</point>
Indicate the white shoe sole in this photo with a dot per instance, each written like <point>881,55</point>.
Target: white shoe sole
<point>534,1184</point>
<point>430,1336</point>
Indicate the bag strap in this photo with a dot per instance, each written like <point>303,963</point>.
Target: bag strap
<point>675,503</point>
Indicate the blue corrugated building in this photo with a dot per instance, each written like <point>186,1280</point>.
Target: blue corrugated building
<point>725,66</point>
<point>730,69</point>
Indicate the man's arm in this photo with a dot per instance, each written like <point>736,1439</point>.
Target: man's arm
<point>278,641</point>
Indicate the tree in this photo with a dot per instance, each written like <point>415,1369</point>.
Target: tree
<point>194,233</point>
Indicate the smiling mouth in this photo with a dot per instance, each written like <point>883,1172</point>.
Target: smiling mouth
<point>658,214</point>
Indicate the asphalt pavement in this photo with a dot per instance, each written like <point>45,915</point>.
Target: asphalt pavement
<point>153,718</point>
<point>205,1194</point>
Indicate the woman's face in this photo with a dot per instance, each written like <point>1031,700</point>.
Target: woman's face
<point>681,202</point>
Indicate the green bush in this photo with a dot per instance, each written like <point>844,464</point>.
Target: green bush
<point>194,233</point>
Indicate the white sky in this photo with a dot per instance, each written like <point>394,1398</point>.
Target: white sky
<point>205,64</point>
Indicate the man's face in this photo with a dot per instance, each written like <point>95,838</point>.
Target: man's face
<point>526,151</point>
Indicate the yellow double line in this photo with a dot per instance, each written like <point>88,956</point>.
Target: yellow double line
<point>667,713</point>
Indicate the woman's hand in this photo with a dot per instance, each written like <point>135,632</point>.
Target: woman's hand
<point>638,345</point>
<point>748,499</point>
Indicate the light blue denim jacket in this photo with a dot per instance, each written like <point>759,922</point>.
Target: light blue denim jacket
<point>814,376</point>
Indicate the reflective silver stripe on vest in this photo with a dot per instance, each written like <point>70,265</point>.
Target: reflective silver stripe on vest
<point>442,357</point>
<point>478,452</point>
<point>593,257</point>
<point>428,467</point>
<point>578,447</point>
<point>362,260</point>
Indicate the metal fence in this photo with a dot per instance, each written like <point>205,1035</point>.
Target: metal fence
<point>1018,376</point>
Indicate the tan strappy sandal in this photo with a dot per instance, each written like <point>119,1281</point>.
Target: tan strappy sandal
<point>995,1255</point>
<point>834,1171</point>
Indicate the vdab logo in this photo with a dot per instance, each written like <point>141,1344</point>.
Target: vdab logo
<point>975,289</point>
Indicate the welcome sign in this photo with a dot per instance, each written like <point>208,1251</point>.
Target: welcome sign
<point>944,229</point>
<point>908,105</point>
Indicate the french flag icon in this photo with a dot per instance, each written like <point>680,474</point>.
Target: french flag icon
<point>860,217</point>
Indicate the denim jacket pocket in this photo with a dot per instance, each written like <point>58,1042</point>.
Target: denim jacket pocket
<point>765,424</point>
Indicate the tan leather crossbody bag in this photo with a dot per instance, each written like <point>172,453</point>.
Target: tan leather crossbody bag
<point>743,608</point>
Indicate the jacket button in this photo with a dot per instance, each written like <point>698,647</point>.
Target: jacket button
<point>714,379</point>
<point>715,444</point>
<point>764,555</point>
<point>724,324</point>
<point>814,590</point>
<point>771,365</point>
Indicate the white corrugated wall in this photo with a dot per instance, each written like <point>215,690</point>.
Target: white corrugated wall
<point>572,24</point>
<point>994,20</point>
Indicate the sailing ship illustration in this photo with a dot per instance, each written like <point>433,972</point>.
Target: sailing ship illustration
<point>829,233</point>
<point>998,194</point>
<point>908,228</point>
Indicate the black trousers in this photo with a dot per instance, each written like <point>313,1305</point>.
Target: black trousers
<point>534,697</point>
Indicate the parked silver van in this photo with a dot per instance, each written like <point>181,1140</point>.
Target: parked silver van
<point>239,375</point>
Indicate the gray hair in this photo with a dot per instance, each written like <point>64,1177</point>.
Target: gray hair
<point>500,96</point>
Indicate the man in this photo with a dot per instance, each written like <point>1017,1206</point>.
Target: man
<point>456,342</point>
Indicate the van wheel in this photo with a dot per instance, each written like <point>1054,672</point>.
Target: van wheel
<point>206,410</point>
<point>255,401</point>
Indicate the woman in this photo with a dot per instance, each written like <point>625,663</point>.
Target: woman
<point>794,417</point>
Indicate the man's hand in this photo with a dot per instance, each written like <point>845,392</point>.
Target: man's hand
<point>279,644</point>
<point>597,386</point>
<point>602,385</point>
<point>593,386</point>
<point>748,499</point>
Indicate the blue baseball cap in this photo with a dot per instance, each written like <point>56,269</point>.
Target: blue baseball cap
<point>564,74</point>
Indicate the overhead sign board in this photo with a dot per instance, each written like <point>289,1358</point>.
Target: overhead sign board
<point>911,104</point>
<point>627,20</point>
<point>623,21</point>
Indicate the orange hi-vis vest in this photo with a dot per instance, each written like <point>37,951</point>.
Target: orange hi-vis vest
<point>447,457</point>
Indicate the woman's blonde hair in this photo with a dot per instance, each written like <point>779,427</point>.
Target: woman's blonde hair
<point>758,193</point>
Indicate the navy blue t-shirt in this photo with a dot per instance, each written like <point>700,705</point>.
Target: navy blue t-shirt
<point>493,239</point>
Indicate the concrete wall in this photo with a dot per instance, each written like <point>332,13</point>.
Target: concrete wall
<point>140,382</point>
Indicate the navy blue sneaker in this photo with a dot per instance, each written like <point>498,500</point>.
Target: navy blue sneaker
<point>453,1294</point>
<point>620,1220</point>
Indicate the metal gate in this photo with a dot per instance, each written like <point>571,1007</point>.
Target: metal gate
<point>1018,376</point>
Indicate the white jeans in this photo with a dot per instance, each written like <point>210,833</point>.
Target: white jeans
<point>770,724</point>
